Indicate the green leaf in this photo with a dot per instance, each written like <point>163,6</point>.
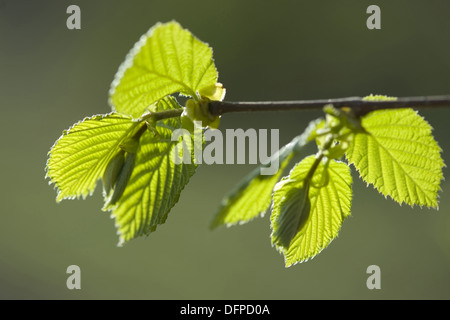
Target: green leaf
<point>166,60</point>
<point>252,196</point>
<point>249,199</point>
<point>329,202</point>
<point>80,156</point>
<point>155,183</point>
<point>399,156</point>
<point>295,208</point>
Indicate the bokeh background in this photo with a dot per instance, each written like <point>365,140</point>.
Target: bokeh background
<point>51,77</point>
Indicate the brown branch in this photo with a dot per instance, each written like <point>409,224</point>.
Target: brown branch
<point>359,106</point>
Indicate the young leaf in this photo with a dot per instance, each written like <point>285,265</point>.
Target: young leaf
<point>80,156</point>
<point>399,156</point>
<point>112,171</point>
<point>329,202</point>
<point>295,207</point>
<point>252,196</point>
<point>167,59</point>
<point>156,181</point>
<point>249,199</point>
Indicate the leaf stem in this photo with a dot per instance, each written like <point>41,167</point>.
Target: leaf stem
<point>312,170</point>
<point>359,106</point>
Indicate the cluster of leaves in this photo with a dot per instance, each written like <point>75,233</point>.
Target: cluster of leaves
<point>393,150</point>
<point>166,60</point>
<point>131,149</point>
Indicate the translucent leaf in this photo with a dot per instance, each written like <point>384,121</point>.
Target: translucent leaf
<point>329,198</point>
<point>399,156</point>
<point>167,59</point>
<point>295,208</point>
<point>249,199</point>
<point>80,156</point>
<point>156,181</point>
<point>252,196</point>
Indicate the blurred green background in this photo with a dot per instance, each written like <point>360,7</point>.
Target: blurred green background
<point>51,77</point>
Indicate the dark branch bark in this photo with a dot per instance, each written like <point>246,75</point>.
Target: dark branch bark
<point>357,104</point>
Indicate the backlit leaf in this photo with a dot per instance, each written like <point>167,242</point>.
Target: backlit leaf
<point>167,59</point>
<point>399,156</point>
<point>156,181</point>
<point>253,194</point>
<point>329,199</point>
<point>80,156</point>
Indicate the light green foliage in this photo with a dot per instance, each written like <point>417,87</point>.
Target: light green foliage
<point>399,156</point>
<point>294,209</point>
<point>249,199</point>
<point>132,151</point>
<point>252,196</point>
<point>166,60</point>
<point>141,180</point>
<point>80,156</point>
<point>155,183</point>
<point>112,171</point>
<point>140,201</point>
<point>122,179</point>
<point>329,202</point>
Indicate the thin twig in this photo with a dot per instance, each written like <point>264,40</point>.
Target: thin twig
<point>357,104</point>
